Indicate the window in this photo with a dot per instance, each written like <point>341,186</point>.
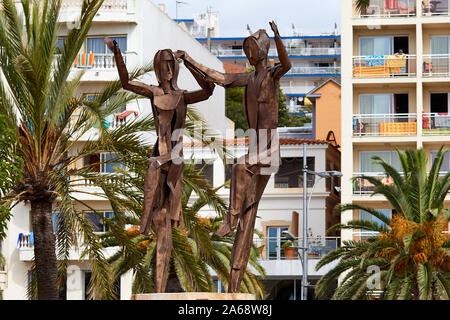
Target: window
<point>93,161</point>
<point>445,164</point>
<point>207,168</point>
<point>384,45</point>
<point>109,163</point>
<point>275,240</point>
<point>366,163</point>
<point>290,173</point>
<point>97,220</point>
<point>98,45</point>
<point>376,104</point>
<point>364,215</point>
<point>60,44</point>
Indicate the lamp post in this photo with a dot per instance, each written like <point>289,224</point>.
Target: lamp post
<point>304,247</point>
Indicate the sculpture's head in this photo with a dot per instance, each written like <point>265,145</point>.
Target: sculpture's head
<point>256,46</point>
<point>166,67</point>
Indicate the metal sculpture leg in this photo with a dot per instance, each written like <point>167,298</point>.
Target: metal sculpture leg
<point>163,248</point>
<point>244,236</point>
<point>241,179</point>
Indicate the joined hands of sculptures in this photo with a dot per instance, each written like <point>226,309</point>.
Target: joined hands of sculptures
<point>252,172</point>
<point>164,176</point>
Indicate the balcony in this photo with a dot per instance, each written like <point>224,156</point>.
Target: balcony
<point>230,53</point>
<point>436,65</point>
<point>389,9</point>
<point>384,66</point>
<point>364,187</point>
<point>100,66</point>
<point>435,8</point>
<point>314,71</point>
<point>270,248</point>
<point>293,90</point>
<point>375,125</point>
<point>435,124</point>
<point>110,11</point>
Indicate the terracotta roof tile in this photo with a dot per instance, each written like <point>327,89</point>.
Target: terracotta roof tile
<point>233,68</point>
<point>244,142</point>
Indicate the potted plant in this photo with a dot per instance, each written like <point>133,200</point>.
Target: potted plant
<point>289,251</point>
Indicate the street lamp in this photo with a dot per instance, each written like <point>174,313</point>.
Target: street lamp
<point>304,247</point>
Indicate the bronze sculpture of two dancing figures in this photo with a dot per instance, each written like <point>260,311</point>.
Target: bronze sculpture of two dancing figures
<point>163,180</point>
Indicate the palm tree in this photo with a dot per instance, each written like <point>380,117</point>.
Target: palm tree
<point>196,248</point>
<point>40,105</point>
<point>361,6</point>
<point>410,252</point>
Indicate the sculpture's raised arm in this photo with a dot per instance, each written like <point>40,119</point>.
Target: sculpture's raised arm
<point>211,75</point>
<point>285,63</point>
<point>134,86</point>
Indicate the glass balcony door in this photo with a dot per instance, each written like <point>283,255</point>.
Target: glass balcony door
<point>440,58</point>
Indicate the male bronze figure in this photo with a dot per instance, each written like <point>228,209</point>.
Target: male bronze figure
<point>252,172</point>
<point>164,178</point>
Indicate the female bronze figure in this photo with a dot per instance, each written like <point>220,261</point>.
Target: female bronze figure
<point>164,177</point>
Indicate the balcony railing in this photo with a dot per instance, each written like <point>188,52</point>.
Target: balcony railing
<point>435,8</point>
<point>270,247</point>
<point>114,122</point>
<point>389,9</point>
<point>25,241</point>
<point>436,65</point>
<point>107,4</point>
<point>396,124</point>
<point>273,52</point>
<point>314,70</point>
<point>364,187</point>
<point>436,124</point>
<point>384,66</point>
<point>297,89</point>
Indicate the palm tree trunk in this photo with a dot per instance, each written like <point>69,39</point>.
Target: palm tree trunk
<point>44,249</point>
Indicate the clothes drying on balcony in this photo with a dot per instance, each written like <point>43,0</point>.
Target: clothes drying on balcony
<point>126,113</point>
<point>84,61</point>
<point>25,240</point>
<point>442,121</point>
<point>375,61</point>
<point>397,63</point>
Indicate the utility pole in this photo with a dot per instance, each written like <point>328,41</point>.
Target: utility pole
<point>176,7</point>
<point>304,288</point>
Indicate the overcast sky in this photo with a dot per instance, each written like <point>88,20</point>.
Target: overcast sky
<point>308,16</point>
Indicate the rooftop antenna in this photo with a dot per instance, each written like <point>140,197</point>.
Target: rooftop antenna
<point>249,30</point>
<point>293,30</point>
<point>176,7</point>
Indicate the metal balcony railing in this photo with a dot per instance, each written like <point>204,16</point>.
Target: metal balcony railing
<point>114,122</point>
<point>297,89</point>
<point>435,8</point>
<point>270,247</point>
<point>389,9</point>
<point>363,187</point>
<point>436,65</point>
<point>107,4</point>
<point>273,52</point>
<point>436,124</point>
<point>395,124</point>
<point>314,70</point>
<point>384,66</point>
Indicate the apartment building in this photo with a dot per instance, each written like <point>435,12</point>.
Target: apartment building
<point>395,91</point>
<point>314,58</point>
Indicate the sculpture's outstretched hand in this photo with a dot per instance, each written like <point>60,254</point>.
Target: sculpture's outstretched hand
<point>112,45</point>
<point>274,28</point>
<point>180,54</point>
